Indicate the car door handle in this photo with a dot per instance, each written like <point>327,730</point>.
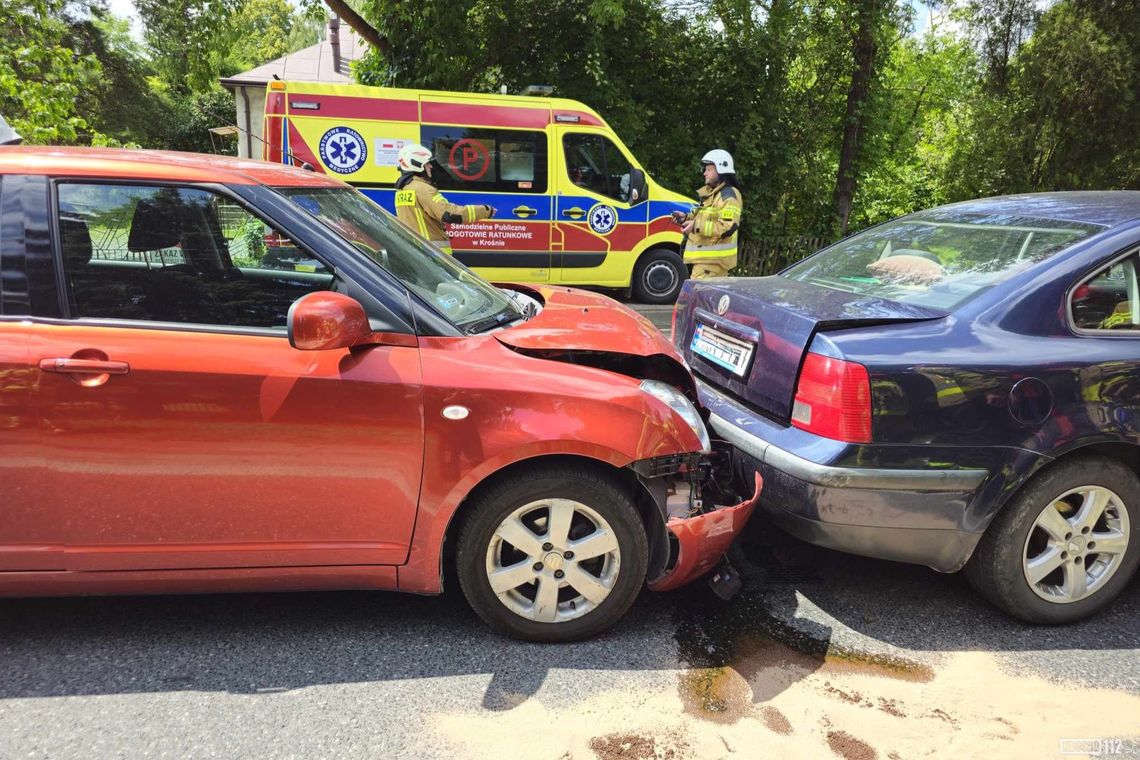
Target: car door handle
<point>84,367</point>
<point>524,211</point>
<point>574,213</point>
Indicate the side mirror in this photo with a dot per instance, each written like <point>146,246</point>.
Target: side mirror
<point>326,320</point>
<point>638,186</point>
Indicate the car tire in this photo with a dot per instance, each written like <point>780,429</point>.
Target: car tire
<point>658,276</point>
<point>1026,566</point>
<point>531,585</point>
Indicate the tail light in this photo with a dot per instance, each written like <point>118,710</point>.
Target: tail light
<point>833,399</point>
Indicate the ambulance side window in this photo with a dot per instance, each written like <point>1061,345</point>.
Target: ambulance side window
<point>489,160</point>
<point>595,163</point>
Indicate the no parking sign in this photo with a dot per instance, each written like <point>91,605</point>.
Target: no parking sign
<point>469,159</point>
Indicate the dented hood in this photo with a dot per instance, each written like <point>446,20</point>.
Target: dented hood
<point>575,320</point>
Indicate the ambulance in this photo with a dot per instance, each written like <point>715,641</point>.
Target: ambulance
<point>572,204</point>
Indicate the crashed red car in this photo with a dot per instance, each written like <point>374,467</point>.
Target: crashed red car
<point>222,375</point>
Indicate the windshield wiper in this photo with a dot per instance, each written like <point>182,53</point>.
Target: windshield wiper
<point>497,319</point>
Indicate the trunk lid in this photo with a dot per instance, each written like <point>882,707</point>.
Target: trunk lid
<point>759,328</point>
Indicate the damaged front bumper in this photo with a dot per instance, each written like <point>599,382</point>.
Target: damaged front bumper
<point>700,520</point>
<point>703,539</point>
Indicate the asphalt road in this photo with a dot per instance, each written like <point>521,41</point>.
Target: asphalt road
<point>389,675</point>
<point>358,674</point>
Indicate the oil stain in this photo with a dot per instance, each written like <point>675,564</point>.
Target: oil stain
<point>740,654</point>
<point>775,721</point>
<point>632,747</point>
<point>848,747</point>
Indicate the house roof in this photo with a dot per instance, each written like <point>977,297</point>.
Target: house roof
<point>313,64</point>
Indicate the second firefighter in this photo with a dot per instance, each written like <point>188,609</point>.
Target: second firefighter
<point>712,228</point>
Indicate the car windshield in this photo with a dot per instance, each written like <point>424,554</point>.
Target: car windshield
<point>466,300</point>
<point>930,260</point>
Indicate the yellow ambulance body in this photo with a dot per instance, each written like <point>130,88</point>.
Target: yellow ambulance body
<point>572,205</point>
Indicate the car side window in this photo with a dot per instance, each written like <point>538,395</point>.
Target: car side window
<point>488,160</point>
<point>178,254</point>
<point>1110,300</point>
<point>595,163</point>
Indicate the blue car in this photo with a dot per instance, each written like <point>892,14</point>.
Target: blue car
<point>957,388</point>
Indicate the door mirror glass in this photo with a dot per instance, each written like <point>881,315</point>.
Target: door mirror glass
<point>638,186</point>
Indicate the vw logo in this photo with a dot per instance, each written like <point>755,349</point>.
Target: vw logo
<point>602,219</point>
<point>722,305</point>
<point>343,150</point>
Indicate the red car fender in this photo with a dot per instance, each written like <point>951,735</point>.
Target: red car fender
<point>514,413</point>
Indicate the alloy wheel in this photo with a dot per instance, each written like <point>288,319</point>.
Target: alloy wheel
<point>553,560</point>
<point>1076,544</point>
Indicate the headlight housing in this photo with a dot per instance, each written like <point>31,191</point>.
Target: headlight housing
<point>677,401</point>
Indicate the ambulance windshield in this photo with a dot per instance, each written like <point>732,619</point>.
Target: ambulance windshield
<point>466,300</point>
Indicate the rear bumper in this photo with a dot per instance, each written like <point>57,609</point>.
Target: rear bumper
<point>907,515</point>
<point>704,539</point>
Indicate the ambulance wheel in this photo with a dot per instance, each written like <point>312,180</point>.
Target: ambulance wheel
<point>658,276</point>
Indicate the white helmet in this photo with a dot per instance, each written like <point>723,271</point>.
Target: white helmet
<point>413,158</point>
<point>721,160</point>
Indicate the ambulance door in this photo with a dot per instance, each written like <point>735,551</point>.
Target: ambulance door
<point>507,169</point>
<point>597,228</point>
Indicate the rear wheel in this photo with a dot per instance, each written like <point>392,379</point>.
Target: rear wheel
<point>658,276</point>
<point>556,554</point>
<point>1065,546</point>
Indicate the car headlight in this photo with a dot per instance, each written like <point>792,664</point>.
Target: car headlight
<point>677,401</point>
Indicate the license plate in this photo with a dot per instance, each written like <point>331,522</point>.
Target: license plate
<point>723,350</point>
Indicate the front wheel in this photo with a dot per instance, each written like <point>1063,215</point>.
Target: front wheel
<point>658,276</point>
<point>1065,546</point>
<point>557,554</point>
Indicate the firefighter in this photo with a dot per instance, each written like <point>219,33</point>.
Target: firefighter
<point>422,207</point>
<point>713,226</point>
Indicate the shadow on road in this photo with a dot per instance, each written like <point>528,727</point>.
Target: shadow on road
<point>257,643</point>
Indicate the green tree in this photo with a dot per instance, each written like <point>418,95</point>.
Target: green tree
<point>41,76</point>
<point>930,83</point>
<point>870,25</point>
<point>182,39</point>
<point>1077,84</point>
<point>258,31</point>
<point>120,104</point>
<point>997,29</point>
<point>1063,121</point>
<point>189,117</point>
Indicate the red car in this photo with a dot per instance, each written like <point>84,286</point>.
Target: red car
<point>225,375</point>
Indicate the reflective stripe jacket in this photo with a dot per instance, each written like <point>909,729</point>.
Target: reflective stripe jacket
<point>424,209</point>
<point>716,226</point>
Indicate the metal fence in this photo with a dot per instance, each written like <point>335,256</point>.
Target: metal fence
<point>764,256</point>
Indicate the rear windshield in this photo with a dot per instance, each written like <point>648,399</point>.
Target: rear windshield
<point>934,262</point>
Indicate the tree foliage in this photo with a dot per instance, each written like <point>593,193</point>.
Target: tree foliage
<point>186,39</point>
<point>41,75</point>
<point>838,112</point>
<point>70,71</point>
